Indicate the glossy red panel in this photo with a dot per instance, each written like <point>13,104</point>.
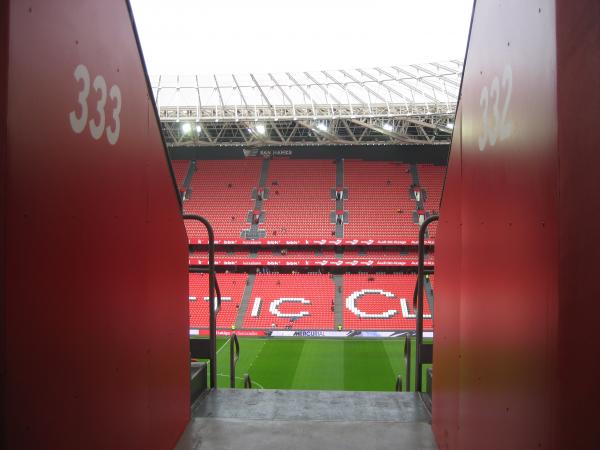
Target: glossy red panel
<point>447,312</point>
<point>507,314</point>
<point>96,327</point>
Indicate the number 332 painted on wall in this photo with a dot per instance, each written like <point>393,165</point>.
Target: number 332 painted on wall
<point>499,127</point>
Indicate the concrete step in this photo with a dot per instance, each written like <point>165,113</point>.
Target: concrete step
<point>273,419</point>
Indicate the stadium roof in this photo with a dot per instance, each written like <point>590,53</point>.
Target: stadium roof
<point>384,105</point>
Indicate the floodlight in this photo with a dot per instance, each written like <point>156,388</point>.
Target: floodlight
<point>186,128</point>
<point>260,128</point>
<point>322,126</point>
<point>388,127</point>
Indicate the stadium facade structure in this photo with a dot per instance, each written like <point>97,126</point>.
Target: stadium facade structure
<point>316,118</point>
<point>410,104</point>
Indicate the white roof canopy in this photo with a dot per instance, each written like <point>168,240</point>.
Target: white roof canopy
<point>415,91</point>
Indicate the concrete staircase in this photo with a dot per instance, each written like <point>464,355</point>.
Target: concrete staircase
<point>428,290</point>
<point>339,203</point>
<point>187,181</point>
<point>239,321</point>
<point>338,280</point>
<point>414,173</point>
<point>255,232</point>
<point>419,204</point>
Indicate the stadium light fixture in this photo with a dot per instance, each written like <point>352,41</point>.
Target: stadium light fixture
<point>322,126</point>
<point>260,128</point>
<point>388,127</point>
<point>186,128</point>
<point>198,129</point>
<point>450,125</point>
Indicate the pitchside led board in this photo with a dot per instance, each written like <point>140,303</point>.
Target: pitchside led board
<point>90,199</point>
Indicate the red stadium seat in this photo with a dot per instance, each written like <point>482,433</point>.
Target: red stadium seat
<point>222,192</point>
<point>180,169</point>
<point>379,203</point>
<point>300,202</point>
<point>232,287</point>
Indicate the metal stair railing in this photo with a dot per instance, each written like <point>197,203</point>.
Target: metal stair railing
<point>424,353</point>
<point>207,348</point>
<point>234,356</point>
<point>403,384</point>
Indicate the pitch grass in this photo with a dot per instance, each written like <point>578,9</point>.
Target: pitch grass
<point>327,364</point>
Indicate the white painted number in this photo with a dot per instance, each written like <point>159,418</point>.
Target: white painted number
<point>97,127</point>
<point>500,127</point>
<point>78,123</point>
<point>113,135</point>
<point>483,99</point>
<point>506,129</point>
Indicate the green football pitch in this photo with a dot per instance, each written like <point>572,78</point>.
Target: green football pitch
<point>328,364</point>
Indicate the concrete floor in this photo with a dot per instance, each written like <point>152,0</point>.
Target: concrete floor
<point>274,419</point>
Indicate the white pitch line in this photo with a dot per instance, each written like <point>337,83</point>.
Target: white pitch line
<point>256,357</point>
<point>223,345</point>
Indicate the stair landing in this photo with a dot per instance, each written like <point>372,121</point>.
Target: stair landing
<point>273,419</point>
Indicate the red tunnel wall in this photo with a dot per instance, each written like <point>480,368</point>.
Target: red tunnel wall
<point>517,304</point>
<point>447,313</point>
<point>96,354</point>
<point>578,54</point>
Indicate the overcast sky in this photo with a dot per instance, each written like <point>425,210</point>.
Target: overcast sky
<point>241,36</point>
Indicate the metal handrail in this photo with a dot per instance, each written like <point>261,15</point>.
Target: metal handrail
<point>407,360</point>
<point>212,282</point>
<point>234,356</point>
<point>419,309</point>
<point>399,384</point>
<point>400,380</point>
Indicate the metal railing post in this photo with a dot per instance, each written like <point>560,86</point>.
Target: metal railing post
<point>234,355</point>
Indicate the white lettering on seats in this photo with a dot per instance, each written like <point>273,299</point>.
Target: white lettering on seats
<point>408,315</point>
<point>256,307</point>
<point>352,298</point>
<point>275,304</point>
